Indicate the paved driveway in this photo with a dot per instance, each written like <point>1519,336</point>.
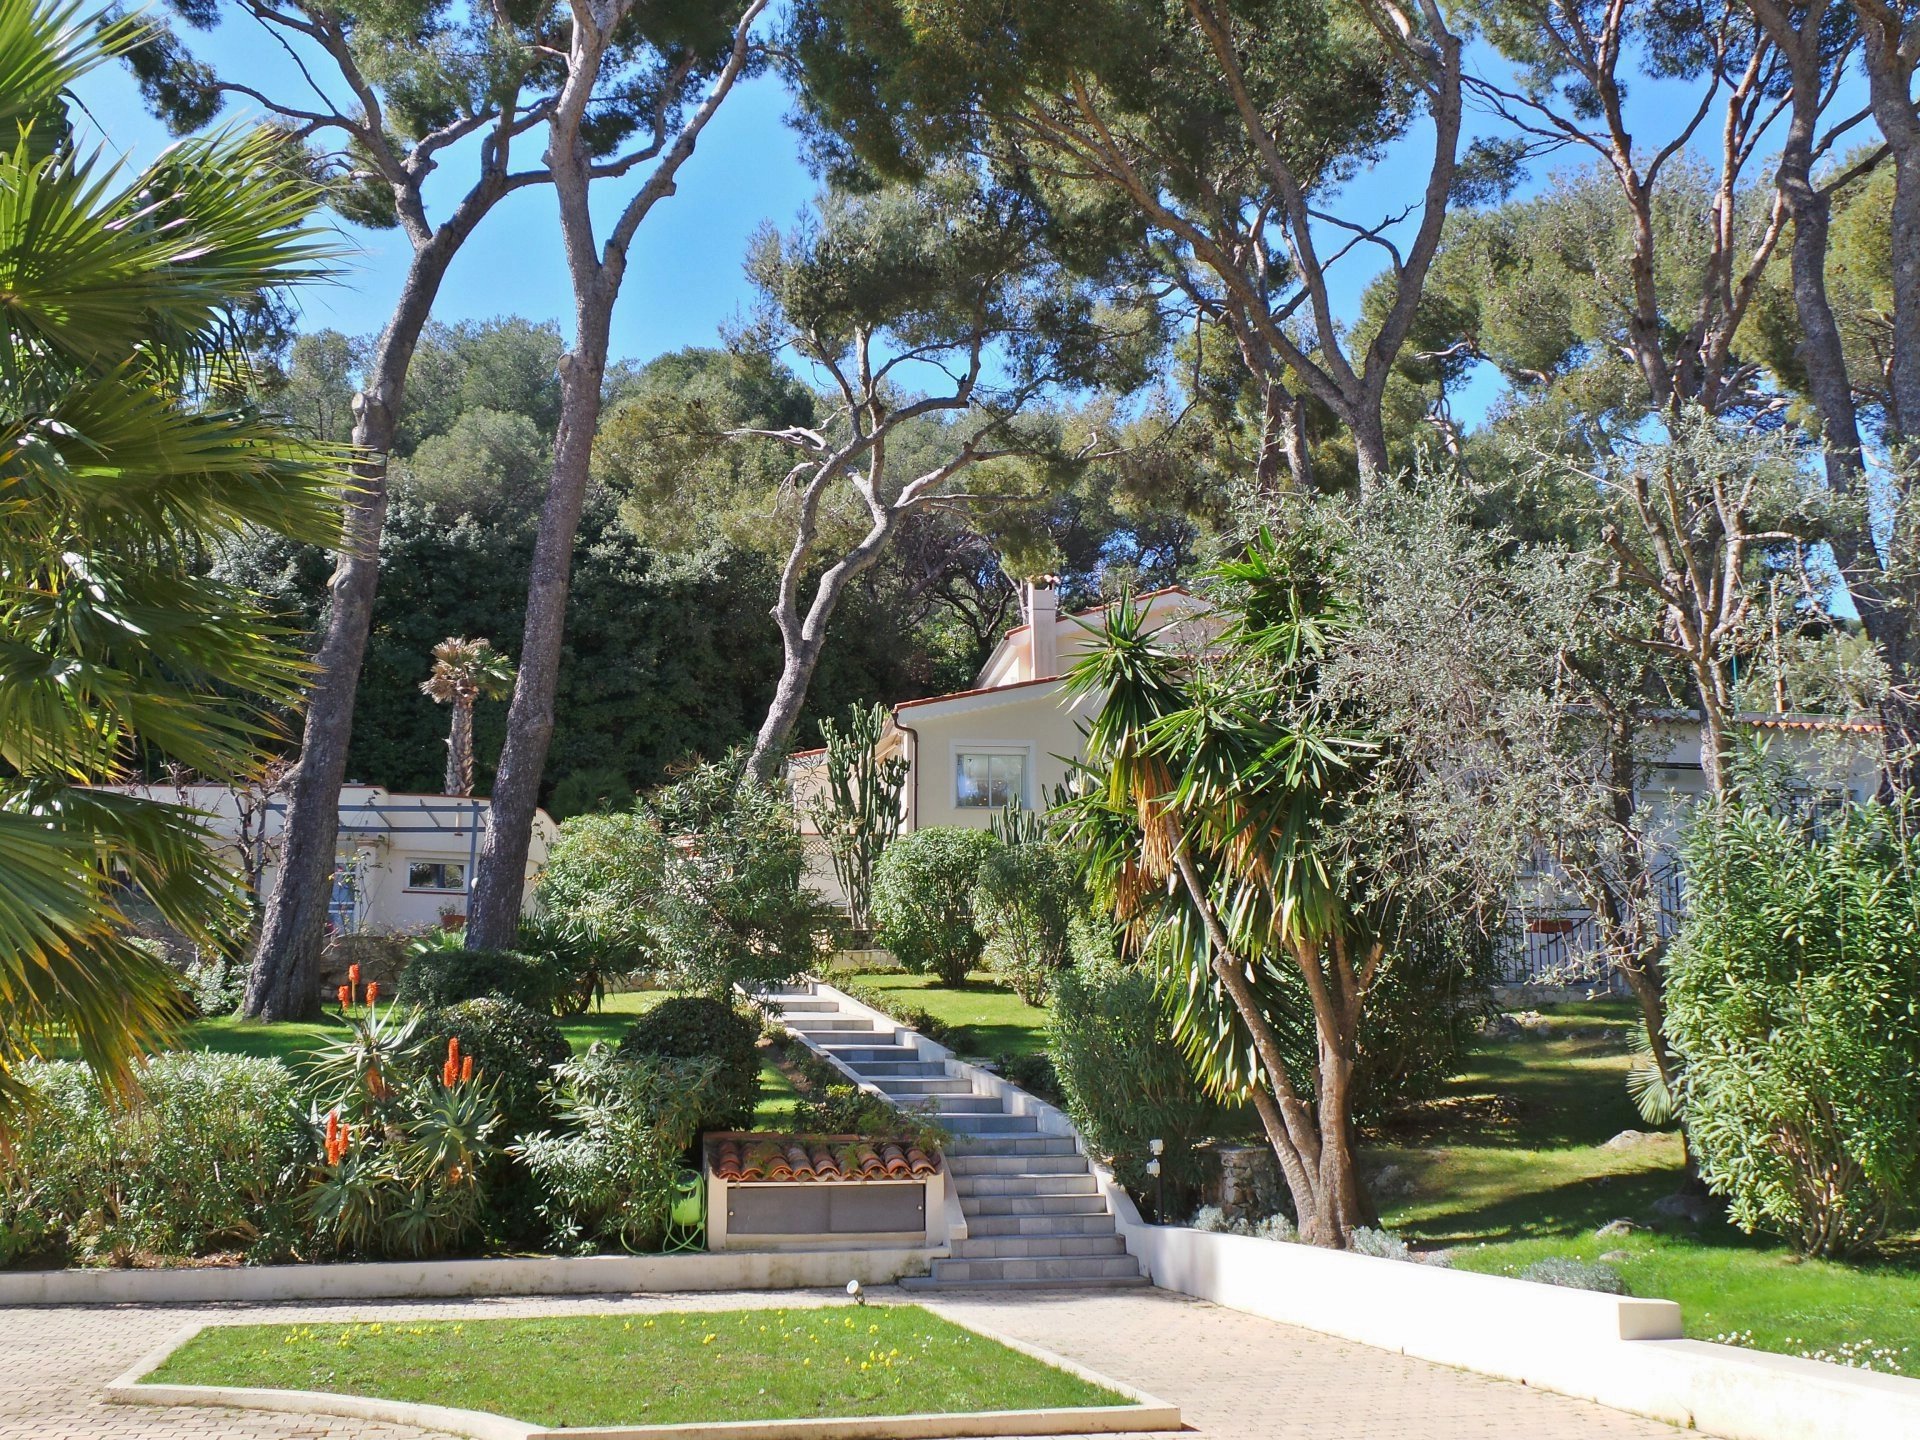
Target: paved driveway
<point>1234,1376</point>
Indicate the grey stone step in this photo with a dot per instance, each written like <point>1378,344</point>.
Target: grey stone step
<point>1072,1163</point>
<point>807,1023</point>
<point>864,1055</point>
<point>989,1226</point>
<point>1091,1267</point>
<point>1025,1185</point>
<point>788,988</point>
<point>907,1087</point>
<point>881,1070</point>
<point>1033,1205</point>
<point>950,1104</point>
<point>806,1004</point>
<point>963,1122</point>
<point>1016,1145</point>
<point>1032,1247</point>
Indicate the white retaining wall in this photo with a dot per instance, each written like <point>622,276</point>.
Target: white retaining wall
<point>542,1275</point>
<point>1620,1351</point>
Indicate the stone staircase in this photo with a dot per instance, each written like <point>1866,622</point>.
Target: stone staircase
<point>1035,1214</point>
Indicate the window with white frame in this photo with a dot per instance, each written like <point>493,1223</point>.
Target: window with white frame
<point>435,875</point>
<point>989,779</point>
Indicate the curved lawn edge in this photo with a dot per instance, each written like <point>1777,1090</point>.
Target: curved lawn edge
<point>1144,1414</point>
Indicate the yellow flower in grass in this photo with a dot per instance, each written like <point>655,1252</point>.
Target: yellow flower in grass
<point>707,1339</point>
<point>807,1361</point>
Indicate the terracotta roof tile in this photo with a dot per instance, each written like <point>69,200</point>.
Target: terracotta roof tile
<point>752,1157</point>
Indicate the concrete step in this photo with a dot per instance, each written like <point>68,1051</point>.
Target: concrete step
<point>805,1004</point>
<point>788,989</point>
<point>1082,1184</point>
<point>1062,1268</point>
<point>951,1104</point>
<point>1015,1145</point>
<point>971,1205</point>
<point>1035,1247</point>
<point>1073,1163</point>
<point>866,1055</point>
<point>808,1023</point>
<point>880,1071</point>
<point>989,1226</point>
<point>965,1122</point>
<point>909,1087</point>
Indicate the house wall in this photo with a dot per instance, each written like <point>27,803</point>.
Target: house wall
<point>381,835</point>
<point>1039,721</point>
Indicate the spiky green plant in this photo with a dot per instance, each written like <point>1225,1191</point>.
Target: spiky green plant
<point>123,460</point>
<point>858,811</point>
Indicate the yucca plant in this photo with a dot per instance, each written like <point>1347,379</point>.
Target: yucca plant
<point>124,458</point>
<point>1208,820</point>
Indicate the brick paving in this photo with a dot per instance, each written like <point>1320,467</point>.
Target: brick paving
<point>1234,1376</point>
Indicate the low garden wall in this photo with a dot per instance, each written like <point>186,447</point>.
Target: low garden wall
<point>440,1279</point>
<point>1624,1352</point>
<point>1620,1351</point>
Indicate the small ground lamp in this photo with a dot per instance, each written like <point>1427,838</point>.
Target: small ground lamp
<point>1158,1147</point>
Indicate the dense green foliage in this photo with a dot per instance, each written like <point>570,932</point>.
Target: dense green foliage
<point>1124,1077</point>
<point>698,1027</point>
<point>607,1174</point>
<point>514,1050</point>
<point>440,975</point>
<point>209,1160</point>
<point>1024,905</point>
<point>1792,1001</point>
<point>700,883</point>
<point>922,891</point>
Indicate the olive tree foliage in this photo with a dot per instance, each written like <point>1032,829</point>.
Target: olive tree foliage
<point>700,883</point>
<point>857,807</point>
<point>1791,999</point>
<point>638,84</point>
<point>1207,144</point>
<point>932,301</point>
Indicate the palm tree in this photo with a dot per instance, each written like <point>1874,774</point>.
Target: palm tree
<point>463,672</point>
<point>124,460</point>
<point>1210,823</point>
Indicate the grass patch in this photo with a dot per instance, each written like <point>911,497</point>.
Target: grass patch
<point>988,1018</point>
<point>664,1369</point>
<point>1511,1165</point>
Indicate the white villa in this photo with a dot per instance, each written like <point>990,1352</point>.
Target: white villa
<point>404,863</point>
<point>1008,739</point>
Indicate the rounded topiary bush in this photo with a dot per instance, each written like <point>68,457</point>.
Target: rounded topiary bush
<point>922,899</point>
<point>514,1048</point>
<point>1024,904</point>
<point>441,975</point>
<point>696,1027</point>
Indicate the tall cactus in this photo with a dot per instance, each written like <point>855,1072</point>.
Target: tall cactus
<point>858,810</point>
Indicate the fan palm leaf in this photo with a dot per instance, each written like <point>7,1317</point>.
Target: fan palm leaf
<point>119,293</point>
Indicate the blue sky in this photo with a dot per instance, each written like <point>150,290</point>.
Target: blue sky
<point>685,280</point>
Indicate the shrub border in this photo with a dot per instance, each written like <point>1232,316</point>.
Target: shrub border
<point>1144,1413</point>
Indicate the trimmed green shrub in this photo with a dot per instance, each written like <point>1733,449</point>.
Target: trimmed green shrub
<point>1023,906</point>
<point>922,899</point>
<point>1791,1002</point>
<point>1125,1080</point>
<point>607,1175</point>
<point>209,1159</point>
<point>696,1027</point>
<point>514,1050</point>
<point>443,975</point>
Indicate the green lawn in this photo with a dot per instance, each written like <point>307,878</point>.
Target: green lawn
<point>1511,1166</point>
<point>991,1019</point>
<point>674,1368</point>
